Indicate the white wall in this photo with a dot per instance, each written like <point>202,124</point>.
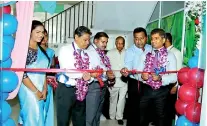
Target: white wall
<point>122,15</point>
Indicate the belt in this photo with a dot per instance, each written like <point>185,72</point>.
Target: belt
<point>66,85</point>
<point>96,81</point>
<point>69,86</point>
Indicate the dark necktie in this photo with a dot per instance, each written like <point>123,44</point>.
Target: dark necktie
<point>156,59</point>
<point>79,51</point>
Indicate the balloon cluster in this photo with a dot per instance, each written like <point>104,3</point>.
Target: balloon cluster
<point>9,79</point>
<point>187,105</point>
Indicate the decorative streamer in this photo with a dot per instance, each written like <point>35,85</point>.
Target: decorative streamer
<point>24,16</point>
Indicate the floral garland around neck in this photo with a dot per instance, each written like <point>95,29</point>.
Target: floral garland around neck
<point>81,63</point>
<point>149,66</point>
<point>105,60</point>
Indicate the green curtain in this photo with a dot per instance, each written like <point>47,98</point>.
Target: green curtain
<point>149,28</point>
<point>174,25</point>
<point>190,42</point>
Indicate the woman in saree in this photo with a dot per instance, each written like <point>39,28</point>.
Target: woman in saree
<point>33,90</point>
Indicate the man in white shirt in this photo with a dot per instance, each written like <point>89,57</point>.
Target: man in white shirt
<point>118,92</point>
<point>154,86</point>
<point>96,93</point>
<point>177,53</point>
<point>173,87</point>
<point>70,96</point>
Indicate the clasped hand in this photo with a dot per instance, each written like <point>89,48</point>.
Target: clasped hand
<point>124,72</point>
<point>86,76</point>
<point>110,74</point>
<point>41,95</point>
<point>155,77</point>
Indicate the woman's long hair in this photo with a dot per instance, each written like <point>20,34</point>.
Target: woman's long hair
<point>35,24</point>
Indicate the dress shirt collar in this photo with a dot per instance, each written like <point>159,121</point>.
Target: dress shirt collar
<point>94,45</point>
<point>76,46</point>
<point>136,48</point>
<point>157,49</point>
<point>169,48</point>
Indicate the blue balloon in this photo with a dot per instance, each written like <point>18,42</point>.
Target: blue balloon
<point>9,81</point>
<point>183,121</point>
<point>10,24</point>
<point>6,64</point>
<point>9,122</point>
<point>5,111</point>
<point>6,52</point>
<point>193,62</point>
<point>4,96</point>
<point>9,40</point>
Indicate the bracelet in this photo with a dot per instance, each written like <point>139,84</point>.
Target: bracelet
<point>35,91</point>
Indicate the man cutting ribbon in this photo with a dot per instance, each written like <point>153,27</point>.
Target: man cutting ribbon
<point>154,89</point>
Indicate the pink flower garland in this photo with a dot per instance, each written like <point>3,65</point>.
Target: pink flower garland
<point>105,60</point>
<point>81,85</point>
<point>149,66</point>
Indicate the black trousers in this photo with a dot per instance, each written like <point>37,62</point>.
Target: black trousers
<point>171,107</point>
<point>157,99</point>
<point>133,103</point>
<point>67,106</point>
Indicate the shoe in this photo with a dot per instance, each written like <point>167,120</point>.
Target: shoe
<point>103,118</point>
<point>151,124</point>
<point>120,122</point>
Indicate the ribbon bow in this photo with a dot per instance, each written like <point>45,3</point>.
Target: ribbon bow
<point>158,71</point>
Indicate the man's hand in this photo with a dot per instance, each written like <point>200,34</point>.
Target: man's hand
<point>124,72</point>
<point>110,74</point>
<point>156,77</point>
<point>145,76</point>
<point>95,75</point>
<point>173,90</point>
<point>86,76</point>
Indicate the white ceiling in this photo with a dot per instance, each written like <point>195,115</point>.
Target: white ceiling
<point>68,2</point>
<point>65,2</point>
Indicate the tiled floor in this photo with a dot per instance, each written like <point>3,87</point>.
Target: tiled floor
<point>15,112</point>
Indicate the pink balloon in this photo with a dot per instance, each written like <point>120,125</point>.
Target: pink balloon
<point>188,93</point>
<point>193,112</point>
<point>7,9</point>
<point>183,75</point>
<point>196,77</point>
<point>180,106</point>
